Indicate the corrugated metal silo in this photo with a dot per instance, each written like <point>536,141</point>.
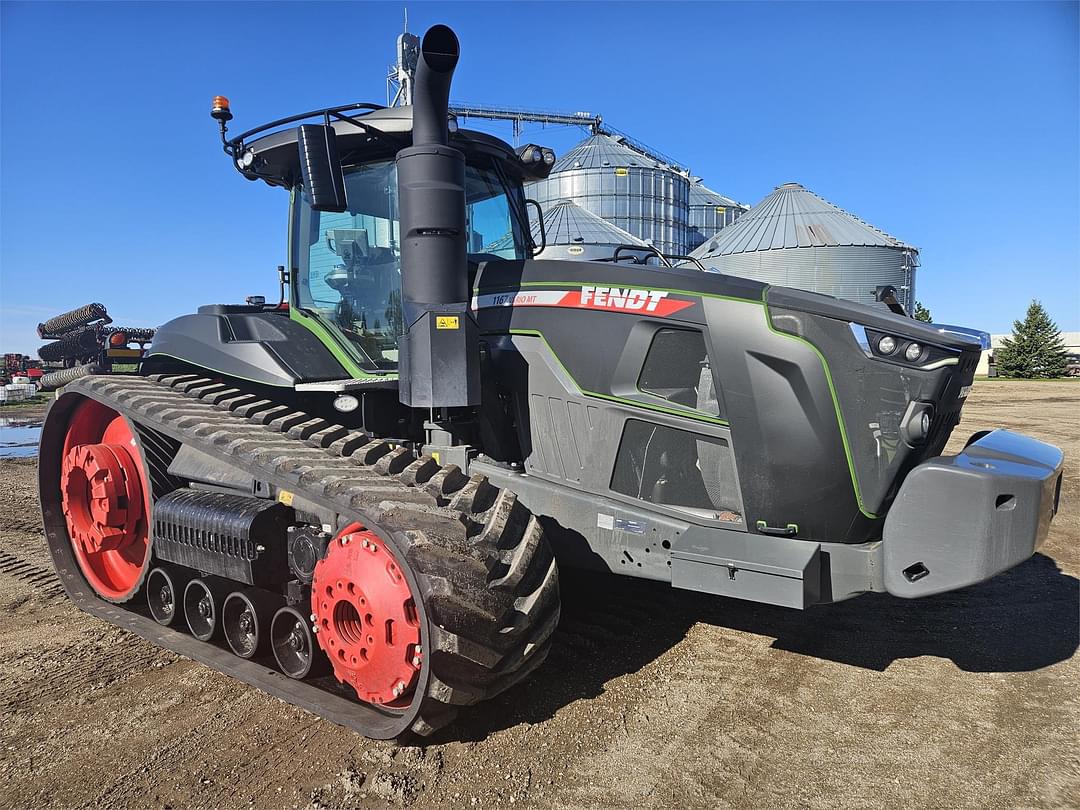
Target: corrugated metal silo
<point>636,193</point>
<point>710,213</point>
<point>795,238</point>
<point>575,233</point>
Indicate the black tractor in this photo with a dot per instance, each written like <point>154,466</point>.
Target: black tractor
<point>358,498</point>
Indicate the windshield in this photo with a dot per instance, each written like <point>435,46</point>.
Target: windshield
<point>347,266</point>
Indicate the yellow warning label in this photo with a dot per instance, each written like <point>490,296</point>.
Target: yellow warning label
<point>621,172</point>
<point>435,456</point>
<point>447,322</point>
<point>285,497</point>
<point>720,209</point>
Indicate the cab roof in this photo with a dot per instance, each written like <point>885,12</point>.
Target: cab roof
<point>379,133</point>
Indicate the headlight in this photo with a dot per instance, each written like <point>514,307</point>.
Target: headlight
<point>887,345</point>
<point>346,403</point>
<point>247,159</point>
<point>913,352</point>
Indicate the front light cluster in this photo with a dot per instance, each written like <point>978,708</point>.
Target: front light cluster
<point>896,348</point>
<point>536,159</point>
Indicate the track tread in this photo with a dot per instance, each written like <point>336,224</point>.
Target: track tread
<point>486,574</point>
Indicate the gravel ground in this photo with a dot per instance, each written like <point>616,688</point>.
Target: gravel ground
<point>651,697</point>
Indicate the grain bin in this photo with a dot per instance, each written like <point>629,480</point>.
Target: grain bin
<point>710,212</point>
<point>795,238</point>
<point>641,195</point>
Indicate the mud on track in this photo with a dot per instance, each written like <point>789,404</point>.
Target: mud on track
<point>651,697</point>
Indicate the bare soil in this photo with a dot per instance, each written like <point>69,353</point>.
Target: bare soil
<point>651,697</point>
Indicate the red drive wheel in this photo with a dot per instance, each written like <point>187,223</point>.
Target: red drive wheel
<point>365,618</point>
<point>106,500</point>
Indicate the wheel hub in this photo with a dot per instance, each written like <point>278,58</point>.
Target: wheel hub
<point>102,496</point>
<point>366,618</point>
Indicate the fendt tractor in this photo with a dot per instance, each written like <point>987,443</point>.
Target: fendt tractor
<point>358,499</point>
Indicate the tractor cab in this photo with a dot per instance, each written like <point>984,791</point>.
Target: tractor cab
<point>344,248</point>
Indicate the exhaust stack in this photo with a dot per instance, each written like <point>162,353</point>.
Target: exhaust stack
<point>439,357</point>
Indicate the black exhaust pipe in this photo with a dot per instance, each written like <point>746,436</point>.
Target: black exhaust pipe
<point>439,358</point>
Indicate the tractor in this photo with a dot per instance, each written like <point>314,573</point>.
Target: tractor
<point>359,498</point>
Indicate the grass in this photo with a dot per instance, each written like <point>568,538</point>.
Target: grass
<point>24,404</point>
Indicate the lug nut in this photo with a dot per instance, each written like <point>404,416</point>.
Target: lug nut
<point>416,661</point>
<point>314,618</point>
<point>314,628</point>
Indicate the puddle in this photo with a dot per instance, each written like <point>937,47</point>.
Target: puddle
<point>19,437</point>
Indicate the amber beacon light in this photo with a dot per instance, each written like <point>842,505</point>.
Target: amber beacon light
<point>219,109</point>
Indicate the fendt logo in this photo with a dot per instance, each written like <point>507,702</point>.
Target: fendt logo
<point>628,299</point>
<point>618,299</point>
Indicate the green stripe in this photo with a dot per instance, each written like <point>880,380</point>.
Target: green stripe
<point>610,397</point>
<point>836,407</point>
<point>342,354</point>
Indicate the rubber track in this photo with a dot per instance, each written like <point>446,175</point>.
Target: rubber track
<point>487,577</point>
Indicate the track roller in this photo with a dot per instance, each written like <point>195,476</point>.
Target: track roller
<point>203,600</point>
<point>164,588</point>
<point>294,645</point>
<point>245,618</point>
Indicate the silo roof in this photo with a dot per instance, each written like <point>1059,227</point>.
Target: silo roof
<point>599,151</point>
<point>794,217</point>
<point>567,223</point>
<point>703,195</point>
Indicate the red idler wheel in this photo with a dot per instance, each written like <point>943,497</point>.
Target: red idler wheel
<point>105,496</point>
<point>365,618</point>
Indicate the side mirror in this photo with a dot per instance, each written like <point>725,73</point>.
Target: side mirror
<point>538,249</point>
<point>320,167</point>
<point>886,294</point>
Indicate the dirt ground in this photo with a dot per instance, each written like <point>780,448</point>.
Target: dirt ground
<point>651,697</point>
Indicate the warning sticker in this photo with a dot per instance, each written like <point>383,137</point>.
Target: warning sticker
<point>605,521</point>
<point>447,322</point>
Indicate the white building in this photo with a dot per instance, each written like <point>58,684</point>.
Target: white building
<point>1070,339</point>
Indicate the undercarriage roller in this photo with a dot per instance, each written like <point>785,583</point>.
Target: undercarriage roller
<point>203,601</point>
<point>245,618</point>
<point>164,589</point>
<point>294,645</point>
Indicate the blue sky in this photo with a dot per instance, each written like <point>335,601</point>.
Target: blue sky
<point>952,126</point>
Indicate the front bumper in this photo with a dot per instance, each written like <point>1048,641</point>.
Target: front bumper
<point>961,519</point>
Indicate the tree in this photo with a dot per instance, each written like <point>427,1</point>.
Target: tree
<point>1035,350</point>
<point>922,313</point>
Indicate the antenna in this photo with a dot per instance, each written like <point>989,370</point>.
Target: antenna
<point>399,76</point>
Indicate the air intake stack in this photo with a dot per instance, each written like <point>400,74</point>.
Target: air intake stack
<point>439,358</point>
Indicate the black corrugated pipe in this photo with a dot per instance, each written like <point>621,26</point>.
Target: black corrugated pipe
<point>439,354</point>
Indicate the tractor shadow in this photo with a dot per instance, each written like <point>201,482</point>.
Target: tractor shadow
<point>1023,620</point>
